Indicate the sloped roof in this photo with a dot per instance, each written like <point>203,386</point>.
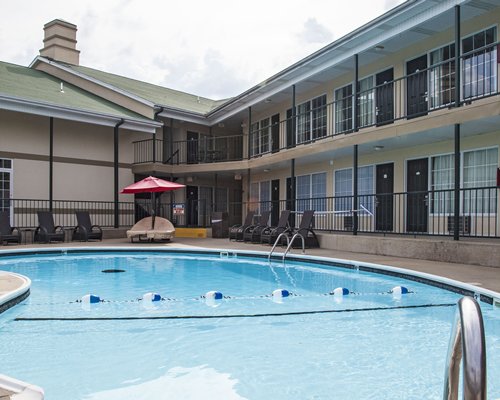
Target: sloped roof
<point>158,95</point>
<point>33,85</point>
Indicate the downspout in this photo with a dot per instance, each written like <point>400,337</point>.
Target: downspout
<point>115,167</point>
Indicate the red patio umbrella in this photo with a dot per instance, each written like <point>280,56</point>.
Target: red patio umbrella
<point>152,185</point>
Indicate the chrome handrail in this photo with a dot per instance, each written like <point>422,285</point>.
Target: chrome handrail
<point>277,241</point>
<point>291,242</point>
<point>467,342</point>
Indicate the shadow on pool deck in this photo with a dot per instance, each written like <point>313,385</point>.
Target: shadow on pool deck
<point>485,277</point>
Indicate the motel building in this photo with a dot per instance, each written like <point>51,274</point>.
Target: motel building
<point>391,131</point>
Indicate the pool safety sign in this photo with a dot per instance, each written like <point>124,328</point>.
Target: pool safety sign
<point>178,209</point>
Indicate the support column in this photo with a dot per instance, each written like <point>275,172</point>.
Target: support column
<point>249,132</point>
<point>458,47</point>
<point>115,167</point>
<point>294,118</point>
<point>356,93</point>
<point>51,162</point>
<point>355,191</point>
<point>456,230</point>
<point>293,187</point>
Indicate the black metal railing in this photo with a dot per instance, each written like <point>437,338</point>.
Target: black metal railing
<point>207,149</point>
<point>411,96</point>
<point>428,213</point>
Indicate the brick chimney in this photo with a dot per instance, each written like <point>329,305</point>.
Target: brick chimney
<point>60,42</point>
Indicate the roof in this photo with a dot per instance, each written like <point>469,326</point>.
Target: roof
<point>36,86</point>
<point>158,95</point>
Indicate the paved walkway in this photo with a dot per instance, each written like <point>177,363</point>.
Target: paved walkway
<point>485,277</point>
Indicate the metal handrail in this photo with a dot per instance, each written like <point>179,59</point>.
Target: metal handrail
<point>291,242</point>
<point>277,241</point>
<point>467,342</point>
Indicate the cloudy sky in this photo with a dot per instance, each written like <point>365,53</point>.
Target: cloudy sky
<point>215,49</point>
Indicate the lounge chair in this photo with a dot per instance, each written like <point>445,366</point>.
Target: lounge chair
<point>305,230</point>
<point>8,234</point>
<point>271,233</point>
<point>144,231</point>
<point>85,231</point>
<point>236,231</point>
<point>252,232</point>
<point>47,232</point>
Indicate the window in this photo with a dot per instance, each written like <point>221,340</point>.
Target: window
<point>260,196</point>
<point>479,171</point>
<point>5,183</point>
<point>366,102</point>
<point>442,180</point>
<point>311,119</point>
<point>442,76</point>
<point>343,109</point>
<point>344,189</point>
<point>311,192</point>
<point>318,115</point>
<point>221,203</point>
<point>261,137</point>
<point>479,64</point>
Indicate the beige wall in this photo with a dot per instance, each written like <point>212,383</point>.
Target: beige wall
<point>83,157</point>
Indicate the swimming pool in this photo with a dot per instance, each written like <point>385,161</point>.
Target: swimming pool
<point>369,344</point>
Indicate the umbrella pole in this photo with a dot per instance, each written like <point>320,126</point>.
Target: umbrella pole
<point>153,209</point>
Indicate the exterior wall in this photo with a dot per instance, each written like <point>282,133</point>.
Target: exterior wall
<point>83,158</point>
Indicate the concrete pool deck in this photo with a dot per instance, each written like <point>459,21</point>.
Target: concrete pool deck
<point>481,276</point>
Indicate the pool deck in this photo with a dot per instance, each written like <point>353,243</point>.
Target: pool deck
<point>484,277</point>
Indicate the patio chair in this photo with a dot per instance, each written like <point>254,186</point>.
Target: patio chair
<point>85,231</point>
<point>252,232</point>
<point>271,233</point>
<point>236,231</point>
<point>8,234</point>
<point>46,231</point>
<point>305,230</point>
<point>144,231</point>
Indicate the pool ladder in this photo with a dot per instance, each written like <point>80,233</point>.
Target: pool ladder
<point>467,344</point>
<point>288,242</point>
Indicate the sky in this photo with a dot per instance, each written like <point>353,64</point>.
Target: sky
<point>215,49</point>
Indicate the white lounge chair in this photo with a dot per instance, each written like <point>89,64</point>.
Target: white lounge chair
<point>143,231</point>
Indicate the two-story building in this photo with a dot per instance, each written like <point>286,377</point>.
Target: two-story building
<point>393,128</point>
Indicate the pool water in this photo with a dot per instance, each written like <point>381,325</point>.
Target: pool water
<point>311,345</point>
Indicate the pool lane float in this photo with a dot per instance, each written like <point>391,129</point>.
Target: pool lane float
<point>214,295</point>
<point>340,291</point>
<point>279,293</point>
<point>90,299</point>
<point>150,296</point>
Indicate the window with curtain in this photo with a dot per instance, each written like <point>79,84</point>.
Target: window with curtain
<point>318,117</point>
<point>311,119</point>
<point>479,64</point>
<point>343,109</point>
<point>366,189</point>
<point>261,137</point>
<point>221,202</point>
<point>479,171</point>
<point>311,192</point>
<point>442,180</point>
<point>260,196</point>
<point>366,102</point>
<point>442,76</point>
<point>343,189</point>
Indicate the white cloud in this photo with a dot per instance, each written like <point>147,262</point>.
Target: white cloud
<point>214,49</point>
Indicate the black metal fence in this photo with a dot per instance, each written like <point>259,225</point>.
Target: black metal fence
<point>430,213</point>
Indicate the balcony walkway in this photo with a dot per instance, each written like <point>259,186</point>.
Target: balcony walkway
<point>481,276</point>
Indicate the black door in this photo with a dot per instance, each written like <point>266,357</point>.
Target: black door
<point>417,197</point>
<point>192,147</point>
<point>384,98</point>
<point>192,205</point>
<point>384,197</point>
<point>275,201</point>
<point>275,132</point>
<point>416,87</point>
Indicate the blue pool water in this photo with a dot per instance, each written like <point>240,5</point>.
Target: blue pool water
<point>367,345</point>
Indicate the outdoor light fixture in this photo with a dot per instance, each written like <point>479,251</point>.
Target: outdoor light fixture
<point>379,47</point>
<point>237,177</point>
<point>378,148</point>
<point>267,170</point>
<point>267,100</point>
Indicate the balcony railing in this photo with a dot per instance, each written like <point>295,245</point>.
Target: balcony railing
<point>414,95</point>
<point>198,151</point>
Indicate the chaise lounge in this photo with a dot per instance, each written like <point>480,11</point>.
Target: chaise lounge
<point>8,234</point>
<point>85,231</point>
<point>47,232</point>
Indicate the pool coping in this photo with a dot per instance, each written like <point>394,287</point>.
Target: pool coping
<point>17,294</point>
<point>484,295</point>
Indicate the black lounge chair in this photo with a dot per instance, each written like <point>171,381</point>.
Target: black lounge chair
<point>85,231</point>
<point>271,233</point>
<point>252,232</point>
<point>236,231</point>
<point>47,231</point>
<point>305,230</point>
<point>8,234</point>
